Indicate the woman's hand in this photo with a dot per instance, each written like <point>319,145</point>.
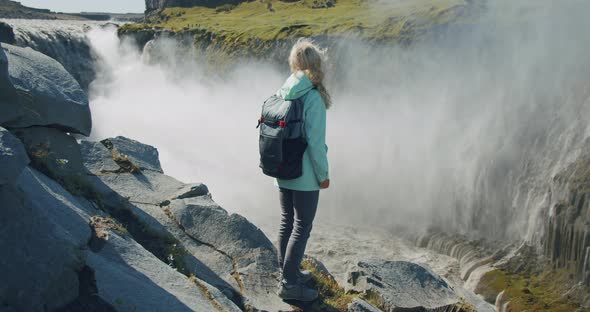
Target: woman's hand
<point>325,184</point>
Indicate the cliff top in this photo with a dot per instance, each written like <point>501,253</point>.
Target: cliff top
<point>272,20</point>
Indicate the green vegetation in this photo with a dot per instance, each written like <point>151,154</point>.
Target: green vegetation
<point>532,290</point>
<point>272,20</point>
<point>101,224</point>
<point>255,29</point>
<point>333,298</point>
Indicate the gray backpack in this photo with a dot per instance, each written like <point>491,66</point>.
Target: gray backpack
<point>282,140</point>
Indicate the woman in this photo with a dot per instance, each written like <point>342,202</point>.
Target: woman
<point>299,197</point>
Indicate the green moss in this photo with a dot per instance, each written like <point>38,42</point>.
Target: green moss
<point>530,290</point>
<point>332,297</point>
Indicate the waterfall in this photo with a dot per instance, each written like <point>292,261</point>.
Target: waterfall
<point>65,41</point>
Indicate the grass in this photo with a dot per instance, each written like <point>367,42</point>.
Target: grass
<point>531,291</point>
<point>333,298</point>
<point>257,28</point>
<point>100,224</point>
<point>254,20</point>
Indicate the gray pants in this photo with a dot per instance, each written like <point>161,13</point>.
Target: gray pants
<point>298,211</point>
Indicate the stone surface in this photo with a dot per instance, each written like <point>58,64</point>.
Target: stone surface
<point>130,278</point>
<point>360,305</point>
<point>226,251</point>
<point>7,91</point>
<point>55,151</point>
<point>142,155</point>
<point>6,34</point>
<point>567,228</point>
<point>97,158</point>
<point>403,285</point>
<point>48,94</point>
<point>43,229</point>
<point>13,157</point>
<point>248,248</point>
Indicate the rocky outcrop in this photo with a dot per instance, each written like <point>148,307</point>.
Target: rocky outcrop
<point>130,278</point>
<point>568,226</point>
<point>401,286</point>
<point>6,33</point>
<point>13,157</point>
<point>47,94</point>
<point>226,251</point>
<point>7,91</point>
<point>66,43</point>
<point>44,229</point>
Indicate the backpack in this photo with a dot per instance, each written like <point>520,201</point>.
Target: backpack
<point>282,140</point>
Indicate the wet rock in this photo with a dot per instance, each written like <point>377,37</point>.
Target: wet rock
<point>401,286</point>
<point>47,94</point>
<point>43,230</point>
<point>567,228</point>
<point>7,91</point>
<point>360,305</point>
<point>13,157</point>
<point>6,34</point>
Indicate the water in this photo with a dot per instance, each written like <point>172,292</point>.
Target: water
<point>65,41</point>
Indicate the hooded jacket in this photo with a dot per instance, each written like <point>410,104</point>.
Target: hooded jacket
<point>315,159</point>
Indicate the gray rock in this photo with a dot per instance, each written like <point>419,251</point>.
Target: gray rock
<point>97,158</point>
<point>251,253</point>
<point>7,34</point>
<point>13,157</point>
<point>142,155</point>
<point>130,278</point>
<point>403,285</point>
<point>360,305</point>
<point>43,229</point>
<point>226,251</point>
<point>48,94</point>
<point>54,151</point>
<point>7,91</point>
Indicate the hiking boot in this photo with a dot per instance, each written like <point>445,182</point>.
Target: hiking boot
<point>297,292</point>
<point>303,276</point>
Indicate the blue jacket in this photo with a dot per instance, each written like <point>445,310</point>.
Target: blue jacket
<point>315,158</point>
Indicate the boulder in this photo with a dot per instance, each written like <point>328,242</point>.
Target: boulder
<point>51,150</point>
<point>144,156</point>
<point>13,157</point>
<point>130,278</point>
<point>7,34</point>
<point>47,94</point>
<point>225,250</point>
<point>43,229</point>
<point>360,305</point>
<point>251,254</point>
<point>402,286</point>
<point>7,91</point>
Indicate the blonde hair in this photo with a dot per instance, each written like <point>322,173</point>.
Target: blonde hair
<point>307,57</point>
